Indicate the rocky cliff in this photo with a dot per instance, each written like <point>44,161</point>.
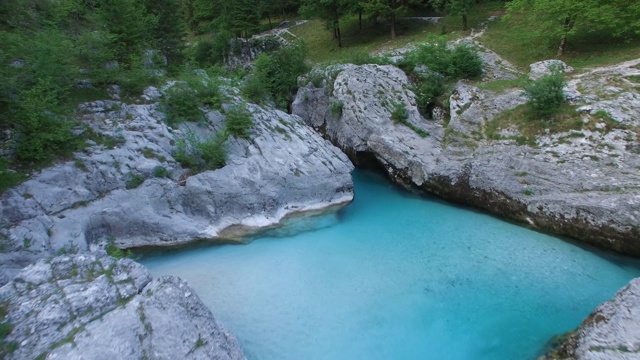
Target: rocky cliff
<point>127,186</point>
<point>96,307</point>
<point>580,183</point>
<point>611,332</point>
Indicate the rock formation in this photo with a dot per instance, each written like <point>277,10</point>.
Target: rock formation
<point>92,306</point>
<point>580,183</point>
<point>129,188</point>
<point>611,332</point>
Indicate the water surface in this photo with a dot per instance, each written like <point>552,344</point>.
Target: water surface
<point>396,276</point>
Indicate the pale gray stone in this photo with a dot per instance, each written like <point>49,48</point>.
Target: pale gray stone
<point>70,307</point>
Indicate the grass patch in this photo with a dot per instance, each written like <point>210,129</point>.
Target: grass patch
<point>518,41</point>
<point>358,44</point>
<point>501,86</point>
<point>529,126</point>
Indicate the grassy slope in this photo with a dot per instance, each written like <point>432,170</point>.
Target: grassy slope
<point>356,42</point>
<point>518,42</point>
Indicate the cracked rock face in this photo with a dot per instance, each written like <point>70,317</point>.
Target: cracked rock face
<point>92,306</point>
<point>611,332</point>
<point>130,188</point>
<point>583,184</point>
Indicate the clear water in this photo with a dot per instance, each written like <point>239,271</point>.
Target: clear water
<point>395,276</point>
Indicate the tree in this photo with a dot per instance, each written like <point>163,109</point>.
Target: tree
<point>169,28</point>
<point>129,25</point>
<point>455,8</point>
<point>562,18</point>
<point>329,11</point>
<point>388,9</point>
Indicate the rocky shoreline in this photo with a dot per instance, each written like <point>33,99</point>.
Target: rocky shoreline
<point>581,184</point>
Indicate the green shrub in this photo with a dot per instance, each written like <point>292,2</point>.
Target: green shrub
<point>239,121</point>
<point>199,155</point>
<point>545,95</point>
<point>459,62</point>
<point>42,132</point>
<point>135,181</point>
<point>180,104</point>
<point>255,90</point>
<point>280,69</point>
<point>212,152</point>
<point>399,114</point>
<point>433,54</point>
<point>160,172</point>
<point>8,178</point>
<point>427,89</point>
<point>336,108</point>
<point>465,62</point>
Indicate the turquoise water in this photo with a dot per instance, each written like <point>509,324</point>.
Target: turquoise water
<point>395,276</point>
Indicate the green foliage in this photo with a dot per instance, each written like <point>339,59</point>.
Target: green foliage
<point>454,7</point>
<point>41,128</point>
<point>5,329</point>
<point>336,108</point>
<point>557,20</point>
<point>545,95</point>
<point>280,69</point>
<point>114,251</point>
<point>8,177</point>
<point>168,28</point>
<point>180,104</point>
<point>254,89</point>
<point>199,155</point>
<point>239,121</point>
<point>161,172</point>
<point>212,51</point>
<point>135,181</point>
<point>129,25</point>
<point>427,89</point>
<point>459,62</point>
<point>399,113</point>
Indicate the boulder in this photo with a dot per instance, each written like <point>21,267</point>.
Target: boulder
<point>92,306</point>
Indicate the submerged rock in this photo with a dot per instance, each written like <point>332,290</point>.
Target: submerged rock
<point>577,183</point>
<point>92,306</point>
<point>611,332</point>
<point>130,188</point>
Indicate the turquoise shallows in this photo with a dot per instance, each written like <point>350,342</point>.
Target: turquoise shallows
<point>396,276</point>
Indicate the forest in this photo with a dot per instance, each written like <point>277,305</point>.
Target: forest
<point>57,54</point>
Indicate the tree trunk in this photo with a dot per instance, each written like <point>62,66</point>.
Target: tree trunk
<point>393,27</point>
<point>464,22</point>
<point>568,25</point>
<point>360,19</point>
<point>270,26</point>
<point>563,45</point>
<point>339,35</point>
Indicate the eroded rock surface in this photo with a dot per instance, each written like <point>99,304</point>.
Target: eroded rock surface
<point>92,306</point>
<point>611,332</point>
<point>583,184</point>
<point>130,188</point>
